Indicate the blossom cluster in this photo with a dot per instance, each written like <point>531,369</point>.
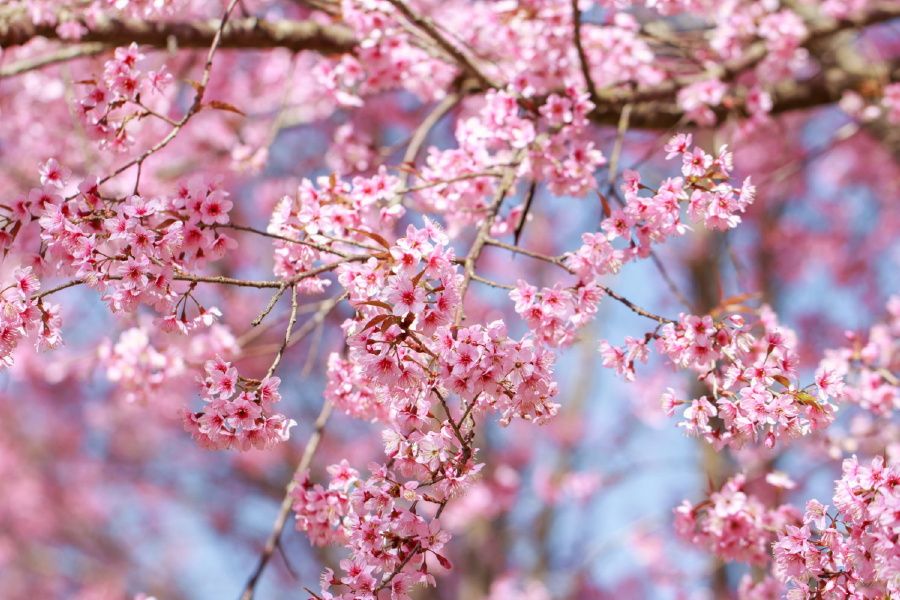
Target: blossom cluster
<point>408,361</point>
<point>870,363</point>
<point>132,248</point>
<point>21,314</point>
<point>321,219</point>
<point>113,100</point>
<point>544,145</point>
<point>854,552</point>
<point>238,412</point>
<point>734,524</point>
<point>555,313</point>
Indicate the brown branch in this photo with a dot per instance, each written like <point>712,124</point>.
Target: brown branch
<point>418,138</point>
<point>273,284</point>
<point>58,288</point>
<point>559,261</point>
<point>287,333</point>
<point>492,283</point>
<point>239,33</point>
<point>654,108</point>
<point>482,236</point>
<point>285,509</point>
<point>60,55</point>
<point>426,25</point>
<point>582,57</point>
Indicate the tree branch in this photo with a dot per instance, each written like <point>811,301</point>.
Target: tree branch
<point>238,33</point>
<point>61,55</point>
<point>285,509</point>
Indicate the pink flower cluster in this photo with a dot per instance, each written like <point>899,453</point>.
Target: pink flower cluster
<point>131,249</point>
<point>20,314</point>
<point>647,220</point>
<point>733,524</point>
<point>891,102</point>
<point>146,369</point>
<point>853,553</point>
<point>378,520</point>
<point>104,111</point>
<point>407,363</point>
<point>871,364</point>
<point>554,314</point>
<point>386,59</point>
<point>334,214</point>
<point>545,145</point>
<point>238,412</point>
<point>746,399</point>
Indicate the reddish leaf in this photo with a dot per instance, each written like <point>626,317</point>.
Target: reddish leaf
<point>375,321</point>
<point>383,242</point>
<point>415,280</point>
<point>740,298</point>
<point>782,380</point>
<point>219,105</point>
<point>388,322</point>
<point>606,209</point>
<point>378,303</point>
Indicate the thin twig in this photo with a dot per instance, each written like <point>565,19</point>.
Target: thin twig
<point>671,283</point>
<point>418,138</point>
<point>617,147</point>
<point>285,509</point>
<point>61,55</point>
<point>492,283</point>
<point>325,308</point>
<point>582,57</point>
<point>425,24</point>
<point>482,237</point>
<point>559,261</point>
<point>274,236</point>
<point>269,306</point>
<point>287,333</point>
<point>313,351</point>
<point>196,107</point>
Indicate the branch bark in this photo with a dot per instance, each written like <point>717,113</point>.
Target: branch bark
<point>238,33</point>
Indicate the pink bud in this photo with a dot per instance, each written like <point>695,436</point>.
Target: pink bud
<point>770,440</point>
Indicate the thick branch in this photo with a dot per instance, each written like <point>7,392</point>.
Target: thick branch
<point>238,33</point>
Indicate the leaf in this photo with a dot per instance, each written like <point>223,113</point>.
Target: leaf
<point>606,210</point>
<point>740,298</point>
<point>378,303</point>
<point>381,241</point>
<point>86,82</point>
<point>734,308</point>
<point>196,85</point>
<point>809,400</point>
<point>219,105</point>
<point>782,380</point>
<point>312,593</point>
<point>375,321</point>
<point>386,324</point>
<point>523,218</point>
<point>415,280</point>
